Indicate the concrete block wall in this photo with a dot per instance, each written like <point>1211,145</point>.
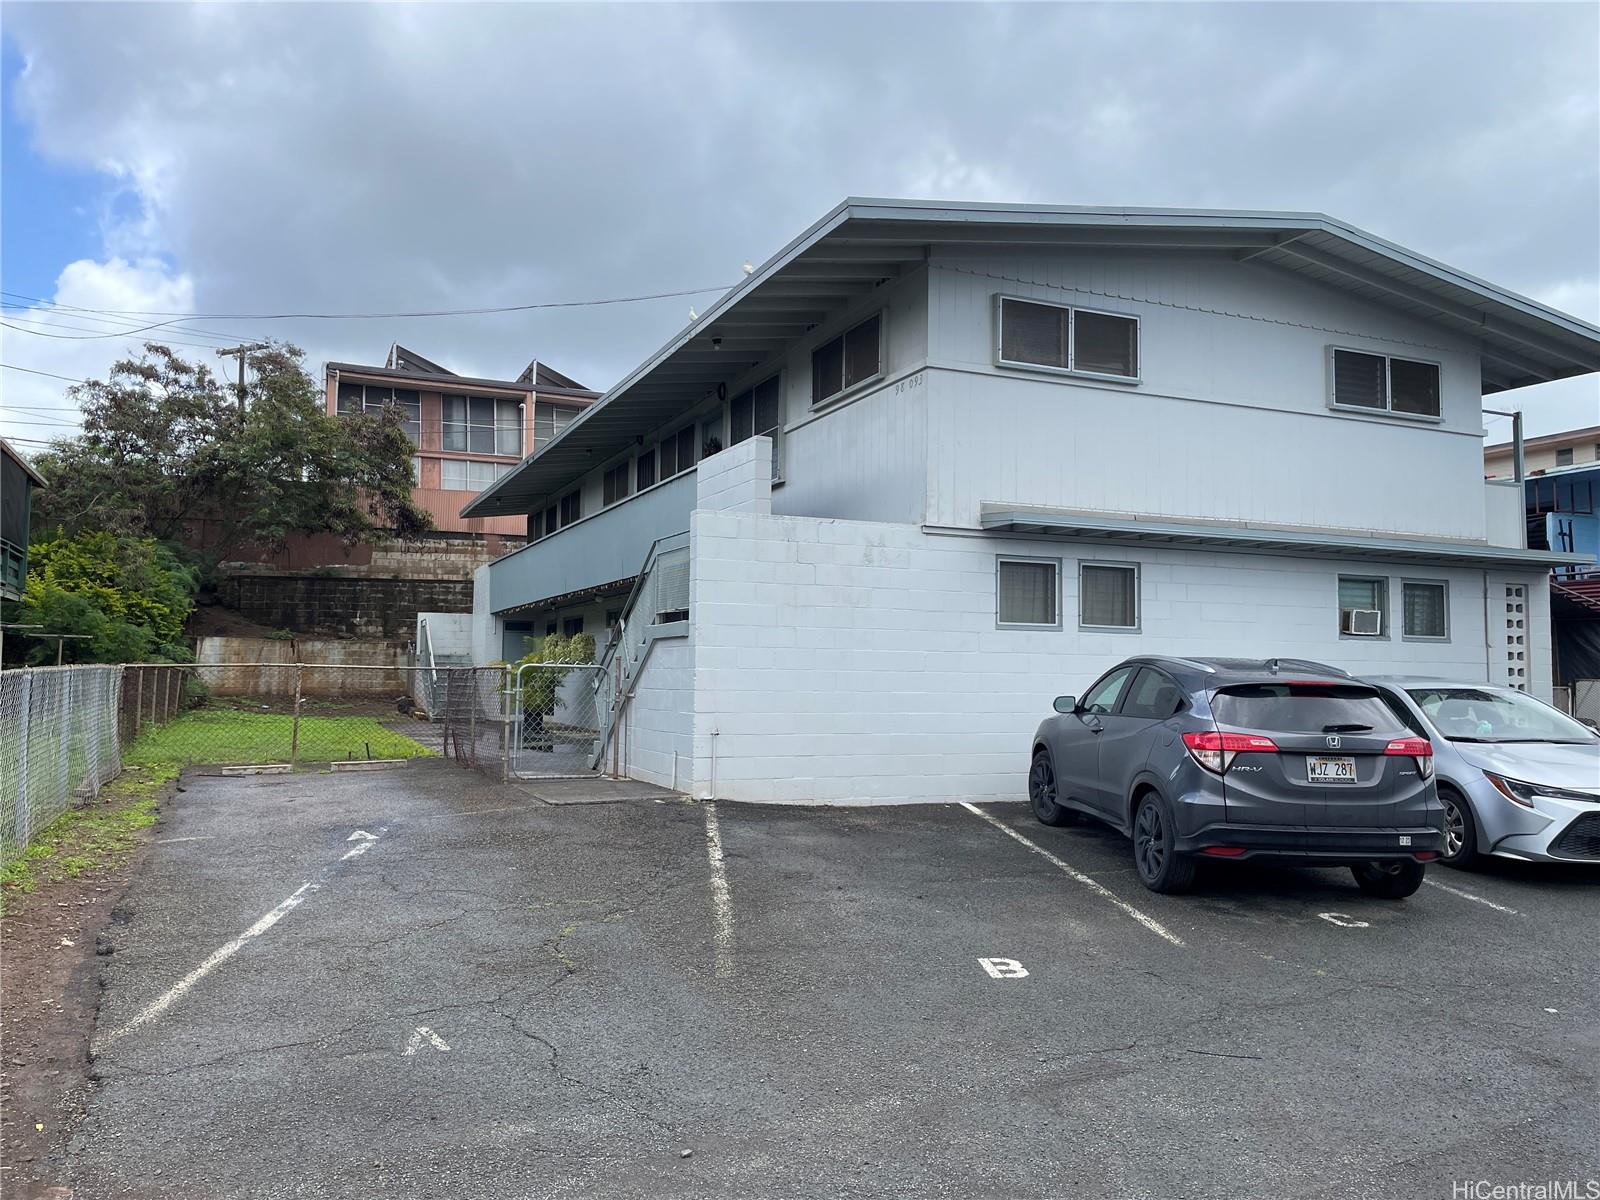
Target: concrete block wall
<point>738,479</point>
<point>363,608</point>
<point>657,739</point>
<point>855,662</point>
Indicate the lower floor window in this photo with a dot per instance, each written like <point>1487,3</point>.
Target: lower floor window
<point>572,627</point>
<point>1363,607</point>
<point>1108,596</point>
<point>1425,609</point>
<point>1027,592</point>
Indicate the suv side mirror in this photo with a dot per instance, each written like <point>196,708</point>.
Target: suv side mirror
<point>1066,704</point>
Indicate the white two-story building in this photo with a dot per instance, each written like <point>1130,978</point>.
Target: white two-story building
<point>932,465</point>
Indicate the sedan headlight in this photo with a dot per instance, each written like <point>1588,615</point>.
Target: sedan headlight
<point>1525,794</point>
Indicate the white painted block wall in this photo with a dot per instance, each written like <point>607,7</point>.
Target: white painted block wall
<point>855,662</point>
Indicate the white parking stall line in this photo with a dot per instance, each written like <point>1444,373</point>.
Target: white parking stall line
<point>721,898</point>
<point>228,949</point>
<point>1466,895</point>
<point>1149,922</point>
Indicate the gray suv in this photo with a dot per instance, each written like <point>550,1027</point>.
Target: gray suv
<point>1231,759</point>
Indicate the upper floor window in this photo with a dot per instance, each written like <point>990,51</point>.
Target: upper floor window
<point>1564,456</point>
<point>363,397</point>
<point>755,412</point>
<point>614,485</point>
<point>482,425</point>
<point>571,508</point>
<point>677,452</point>
<point>551,419</point>
<point>644,470</point>
<point>853,357</point>
<point>1059,337</point>
<point>460,475</point>
<point>1381,383</point>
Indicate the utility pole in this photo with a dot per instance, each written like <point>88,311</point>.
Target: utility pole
<point>242,353</point>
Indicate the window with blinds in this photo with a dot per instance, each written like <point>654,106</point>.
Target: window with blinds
<point>1382,383</point>
<point>755,412</point>
<point>1059,337</point>
<point>1425,609</point>
<point>571,508</point>
<point>644,468</point>
<point>1108,596</point>
<point>614,484</point>
<point>482,425</point>
<point>1358,596</point>
<point>853,357</point>
<point>1028,592</point>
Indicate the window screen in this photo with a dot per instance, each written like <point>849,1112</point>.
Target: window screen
<point>1424,609</point>
<point>571,508</point>
<point>686,448</point>
<point>614,486</point>
<point>1108,596</point>
<point>1026,592</point>
<point>551,524</point>
<point>768,407</point>
<point>1361,593</point>
<point>861,351</point>
<point>1033,333</point>
<point>1105,344</point>
<point>1414,387</point>
<point>1358,379</point>
<point>741,418</point>
<point>827,370</point>
<point>455,423</point>
<point>645,471</point>
<point>669,457</point>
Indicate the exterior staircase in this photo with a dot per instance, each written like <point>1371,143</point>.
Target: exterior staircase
<point>1581,590</point>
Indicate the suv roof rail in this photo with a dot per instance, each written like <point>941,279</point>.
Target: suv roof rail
<point>1305,664</point>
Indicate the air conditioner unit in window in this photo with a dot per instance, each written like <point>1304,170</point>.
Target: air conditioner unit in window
<point>1361,622</point>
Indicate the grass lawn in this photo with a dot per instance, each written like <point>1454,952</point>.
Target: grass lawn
<point>88,839</point>
<point>227,735</point>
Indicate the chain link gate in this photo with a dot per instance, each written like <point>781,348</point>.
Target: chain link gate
<point>559,713</point>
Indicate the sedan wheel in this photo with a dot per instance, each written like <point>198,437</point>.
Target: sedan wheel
<point>1460,831</point>
<point>1042,792</point>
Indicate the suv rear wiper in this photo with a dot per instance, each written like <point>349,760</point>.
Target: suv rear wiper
<point>1347,728</point>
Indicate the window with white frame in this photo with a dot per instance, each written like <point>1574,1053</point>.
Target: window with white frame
<point>482,425</point>
<point>755,412</point>
<point>1363,606</point>
<point>614,484</point>
<point>1061,337</point>
<point>1382,383</point>
<point>853,357</point>
<point>1027,592</point>
<point>372,398</point>
<point>550,419</point>
<point>1425,609</point>
<point>1108,595</point>
<point>459,475</point>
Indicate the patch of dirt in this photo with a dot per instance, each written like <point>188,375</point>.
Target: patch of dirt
<point>50,986</point>
<point>213,620</point>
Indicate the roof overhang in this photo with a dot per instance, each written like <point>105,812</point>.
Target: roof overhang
<point>862,244</point>
<point>15,456</point>
<point>1139,532</point>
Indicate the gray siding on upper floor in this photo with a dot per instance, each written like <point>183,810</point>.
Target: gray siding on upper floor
<point>1229,421</point>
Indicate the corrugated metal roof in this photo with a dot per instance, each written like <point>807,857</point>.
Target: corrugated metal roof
<point>863,243</point>
<point>1297,543</point>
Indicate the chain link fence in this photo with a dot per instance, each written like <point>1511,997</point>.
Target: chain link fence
<point>59,742</point>
<point>1586,700</point>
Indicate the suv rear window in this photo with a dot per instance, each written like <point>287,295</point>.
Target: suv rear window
<point>1302,708</point>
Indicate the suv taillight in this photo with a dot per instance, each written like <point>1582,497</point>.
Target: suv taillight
<point>1419,748</point>
<point>1216,751</point>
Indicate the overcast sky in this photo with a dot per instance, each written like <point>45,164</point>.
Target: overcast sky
<point>361,158</point>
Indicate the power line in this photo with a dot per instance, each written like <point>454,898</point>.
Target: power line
<point>370,316</point>
<point>46,374</point>
<point>29,312</point>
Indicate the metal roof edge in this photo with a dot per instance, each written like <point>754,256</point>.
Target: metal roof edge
<point>1000,518</point>
<point>16,456</point>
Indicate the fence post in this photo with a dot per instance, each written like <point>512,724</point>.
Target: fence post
<point>294,733</point>
<point>472,717</point>
<point>506,710</point>
<point>66,736</point>
<point>22,815</point>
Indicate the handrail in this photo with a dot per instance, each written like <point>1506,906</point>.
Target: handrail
<point>650,557</point>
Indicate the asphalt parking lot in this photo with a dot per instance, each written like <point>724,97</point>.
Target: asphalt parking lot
<point>488,995</point>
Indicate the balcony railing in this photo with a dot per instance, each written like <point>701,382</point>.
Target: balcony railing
<point>607,547</point>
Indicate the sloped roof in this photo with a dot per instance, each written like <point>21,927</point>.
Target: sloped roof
<point>401,359</point>
<point>542,375</point>
<point>863,243</point>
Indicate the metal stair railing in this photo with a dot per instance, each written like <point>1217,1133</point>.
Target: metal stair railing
<point>625,657</point>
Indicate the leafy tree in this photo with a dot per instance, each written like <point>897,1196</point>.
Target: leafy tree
<point>169,451</point>
<point>130,596</point>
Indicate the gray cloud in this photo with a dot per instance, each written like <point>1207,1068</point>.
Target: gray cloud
<point>380,157</point>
